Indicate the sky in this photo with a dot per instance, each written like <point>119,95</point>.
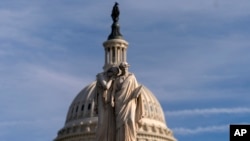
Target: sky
<point>193,55</point>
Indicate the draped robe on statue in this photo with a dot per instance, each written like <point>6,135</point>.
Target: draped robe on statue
<point>126,96</point>
<point>106,117</point>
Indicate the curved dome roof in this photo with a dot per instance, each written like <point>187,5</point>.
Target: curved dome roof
<point>81,121</point>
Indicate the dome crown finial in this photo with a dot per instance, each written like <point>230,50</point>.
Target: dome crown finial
<point>115,33</point>
<point>115,13</point>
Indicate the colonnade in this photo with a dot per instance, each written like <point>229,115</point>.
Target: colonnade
<point>115,52</point>
<point>115,55</point>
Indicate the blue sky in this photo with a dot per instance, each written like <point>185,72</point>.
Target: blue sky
<point>193,55</point>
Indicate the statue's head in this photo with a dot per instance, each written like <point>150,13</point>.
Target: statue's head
<point>124,65</point>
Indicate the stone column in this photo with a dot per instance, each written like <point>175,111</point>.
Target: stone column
<point>125,55</point>
<point>118,54</point>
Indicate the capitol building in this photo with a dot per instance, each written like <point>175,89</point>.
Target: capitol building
<point>148,119</point>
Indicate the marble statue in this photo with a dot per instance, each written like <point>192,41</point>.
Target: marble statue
<point>106,118</point>
<point>119,104</point>
<point>126,92</point>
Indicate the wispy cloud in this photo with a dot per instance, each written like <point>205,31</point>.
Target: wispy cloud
<point>193,51</point>
<point>37,122</point>
<point>38,127</point>
<point>198,130</point>
<point>52,77</point>
<point>210,111</point>
<point>210,71</point>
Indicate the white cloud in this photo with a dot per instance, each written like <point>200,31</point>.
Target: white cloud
<point>180,16</point>
<point>210,111</point>
<point>54,78</point>
<point>205,69</point>
<point>38,126</point>
<point>38,91</point>
<point>197,130</point>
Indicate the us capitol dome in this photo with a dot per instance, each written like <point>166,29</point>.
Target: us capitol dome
<point>82,117</point>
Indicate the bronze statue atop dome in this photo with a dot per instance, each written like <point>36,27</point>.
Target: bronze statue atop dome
<point>115,33</point>
<point>115,13</point>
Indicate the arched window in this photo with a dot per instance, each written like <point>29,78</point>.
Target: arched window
<point>76,109</point>
<point>72,110</point>
<point>82,107</point>
<point>122,55</point>
<point>89,106</point>
<point>113,54</point>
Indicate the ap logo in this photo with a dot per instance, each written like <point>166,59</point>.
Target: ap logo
<point>239,132</point>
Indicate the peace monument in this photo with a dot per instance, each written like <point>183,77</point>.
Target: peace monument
<point>115,107</point>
